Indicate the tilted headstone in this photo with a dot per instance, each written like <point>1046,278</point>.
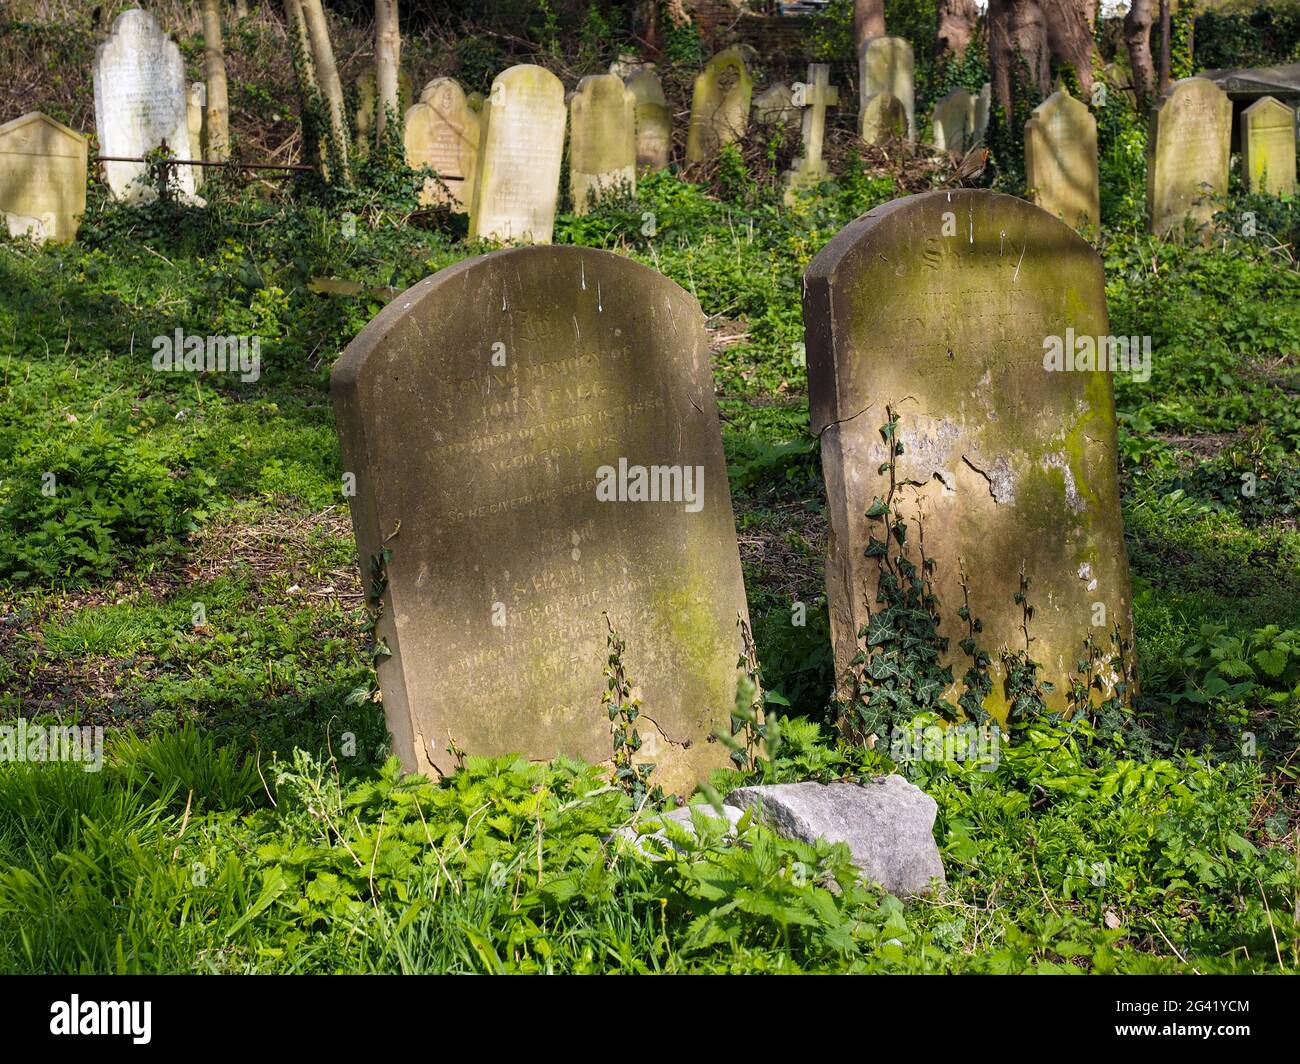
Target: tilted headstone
<point>1268,147</point>
<point>885,65</point>
<point>508,421</point>
<point>520,152</point>
<point>814,96</point>
<point>42,177</point>
<point>884,119</point>
<point>602,141</point>
<point>775,104</point>
<point>1061,159</point>
<point>719,105</point>
<point>954,121</point>
<point>1011,462</point>
<point>1188,145</point>
<point>654,122</point>
<point>141,100</point>
<point>442,132</point>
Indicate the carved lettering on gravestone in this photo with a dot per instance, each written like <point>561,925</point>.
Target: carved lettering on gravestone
<point>602,141</point>
<point>1268,137</point>
<point>1007,463</point>
<point>1061,160</point>
<point>141,100</point>
<point>885,66</point>
<point>1187,154</point>
<point>520,152</point>
<point>719,105</point>
<point>654,124</point>
<point>954,121</point>
<point>42,177</point>
<point>481,483</point>
<point>441,132</point>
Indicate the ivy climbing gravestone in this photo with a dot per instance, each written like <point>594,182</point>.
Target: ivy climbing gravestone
<point>141,100</point>
<point>535,441</point>
<point>1008,460</point>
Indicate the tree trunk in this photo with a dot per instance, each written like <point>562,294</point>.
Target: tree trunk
<point>304,68</point>
<point>327,77</point>
<point>1164,45</point>
<point>1137,37</point>
<point>217,115</point>
<point>868,21</point>
<point>1069,35</point>
<point>388,62</point>
<point>957,21</point>
<point>1017,36</point>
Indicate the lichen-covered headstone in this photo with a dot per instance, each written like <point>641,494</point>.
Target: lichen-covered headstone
<point>654,122</point>
<point>1188,145</point>
<point>885,65</point>
<point>1268,147</point>
<point>535,442</point>
<point>1008,461</point>
<point>814,96</point>
<point>520,152</point>
<point>884,119</point>
<point>954,121</point>
<point>719,105</point>
<point>42,177</point>
<point>602,141</point>
<point>141,100</point>
<point>441,132</point>
<point>1061,160</point>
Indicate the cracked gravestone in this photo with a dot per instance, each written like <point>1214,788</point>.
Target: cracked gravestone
<point>535,441</point>
<point>719,105</point>
<point>602,141</point>
<point>885,66</point>
<point>141,101</point>
<point>42,177</point>
<point>1188,142</point>
<point>1009,453</point>
<point>1061,160</point>
<point>521,148</point>
<point>654,122</point>
<point>441,132</point>
<point>1268,147</point>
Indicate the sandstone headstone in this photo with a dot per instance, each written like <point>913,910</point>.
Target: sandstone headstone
<point>775,104</point>
<point>1012,464</point>
<point>885,65</point>
<point>884,119</point>
<point>719,105</point>
<point>442,132</point>
<point>481,412</point>
<point>887,824</point>
<point>141,100</point>
<point>1061,159</point>
<point>654,123</point>
<point>983,105</point>
<point>954,121</point>
<point>520,152</point>
<point>1187,154</point>
<point>602,141</point>
<point>1268,132</point>
<point>814,96</point>
<point>626,65</point>
<point>42,177</point>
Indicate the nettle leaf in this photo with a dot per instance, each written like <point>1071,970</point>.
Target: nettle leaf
<point>1272,661</point>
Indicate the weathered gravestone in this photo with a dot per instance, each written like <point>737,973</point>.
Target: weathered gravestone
<point>141,100</point>
<point>954,121</point>
<point>1187,154</point>
<point>885,65</point>
<point>983,105</point>
<point>719,105</point>
<point>602,141</point>
<point>814,96</point>
<point>494,415</point>
<point>520,151</point>
<point>1012,465</point>
<point>1061,159</point>
<point>884,119</point>
<point>1268,147</point>
<point>775,104</point>
<point>441,132</point>
<point>42,177</point>
<point>654,122</point>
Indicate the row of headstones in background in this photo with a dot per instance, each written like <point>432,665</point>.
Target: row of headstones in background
<point>503,418</point>
<point>961,119</point>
